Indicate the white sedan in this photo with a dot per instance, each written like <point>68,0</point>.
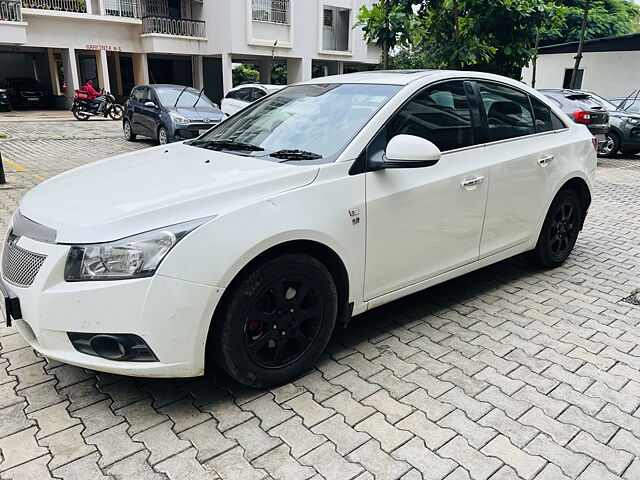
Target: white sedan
<point>239,97</point>
<point>247,245</point>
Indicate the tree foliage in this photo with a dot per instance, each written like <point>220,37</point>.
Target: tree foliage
<point>245,73</point>
<point>607,18</point>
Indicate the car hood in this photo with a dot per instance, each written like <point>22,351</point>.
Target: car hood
<point>140,191</point>
<point>622,114</point>
<point>198,113</point>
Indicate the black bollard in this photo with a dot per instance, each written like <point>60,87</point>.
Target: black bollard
<point>3,180</point>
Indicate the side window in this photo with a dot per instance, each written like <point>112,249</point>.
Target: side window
<point>508,111</point>
<point>151,96</point>
<point>244,94</point>
<point>258,94</point>
<point>439,114</point>
<point>137,94</point>
<point>542,116</point>
<point>232,95</point>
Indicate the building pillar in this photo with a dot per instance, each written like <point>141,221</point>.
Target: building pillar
<point>227,73</point>
<point>71,77</point>
<point>298,70</point>
<point>89,7</point>
<point>336,68</point>
<point>116,57</point>
<point>197,72</point>
<point>53,71</point>
<point>103,70</point>
<point>140,69</point>
<point>265,71</point>
<point>101,7</point>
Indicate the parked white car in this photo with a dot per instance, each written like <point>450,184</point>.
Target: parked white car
<point>249,244</point>
<point>239,97</point>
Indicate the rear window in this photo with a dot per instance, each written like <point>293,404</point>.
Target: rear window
<point>586,101</point>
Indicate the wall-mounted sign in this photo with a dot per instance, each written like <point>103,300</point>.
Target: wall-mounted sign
<point>108,48</point>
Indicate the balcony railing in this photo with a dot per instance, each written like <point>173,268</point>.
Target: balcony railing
<point>123,8</point>
<point>274,11</point>
<point>79,6</point>
<point>11,10</point>
<point>173,26</point>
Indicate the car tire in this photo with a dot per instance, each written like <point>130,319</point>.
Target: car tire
<point>163,136</point>
<point>559,230</point>
<point>127,130</point>
<point>265,333</point>
<point>611,146</point>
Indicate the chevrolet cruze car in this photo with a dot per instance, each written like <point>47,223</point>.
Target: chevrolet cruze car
<point>248,245</point>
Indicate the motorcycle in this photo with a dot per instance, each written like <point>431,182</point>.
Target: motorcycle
<point>83,108</point>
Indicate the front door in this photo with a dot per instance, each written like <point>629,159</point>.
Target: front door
<point>422,222</point>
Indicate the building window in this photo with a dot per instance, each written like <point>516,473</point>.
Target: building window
<point>273,11</point>
<point>335,29</point>
<point>566,83</point>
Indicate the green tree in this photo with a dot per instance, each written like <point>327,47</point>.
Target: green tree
<point>279,74</point>
<point>607,18</point>
<point>388,23</point>
<point>245,73</point>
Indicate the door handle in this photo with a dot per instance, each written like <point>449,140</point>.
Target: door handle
<point>545,160</point>
<point>472,182</point>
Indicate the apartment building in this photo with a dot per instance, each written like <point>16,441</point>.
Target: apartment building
<point>122,43</point>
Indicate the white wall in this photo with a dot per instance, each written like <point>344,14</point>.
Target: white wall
<point>610,74</point>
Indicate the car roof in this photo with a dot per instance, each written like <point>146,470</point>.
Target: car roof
<point>257,85</point>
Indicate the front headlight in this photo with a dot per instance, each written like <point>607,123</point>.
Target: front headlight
<point>632,120</point>
<point>132,257</point>
<point>178,118</point>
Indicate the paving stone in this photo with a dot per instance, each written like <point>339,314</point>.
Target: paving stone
<point>434,409</point>
<point>134,467</point>
<point>472,407</point>
<point>389,436</point>
<point>80,395</point>
<point>21,358</point>
<point>528,362</point>
<point>114,444</point>
<point>162,390</point>
<point>599,361</point>
<point>511,406</point>
<point>624,371</point>
<point>330,464</point>
<point>352,411</point>
<point>13,419</point>
<point>616,460</point>
<point>66,446</point>
<point>391,408</point>
<point>364,367</point>
<point>97,417</point>
<point>33,470</point>
<point>207,440</point>
<point>478,465</point>
<point>123,393</point>
<point>526,465</point>
<point>227,413</point>
<point>330,368</point>
<point>589,405</point>
<point>299,438</point>
<point>596,471</point>
<point>69,375</point>
<point>626,403</point>
<point>518,433</point>
<point>611,413</point>
<point>345,438</point>
<point>504,383</point>
<point>467,365</point>
<point>53,419</point>
<point>320,388</point>
<point>140,416</point>
<point>633,472</point>
<point>541,383</point>
<point>82,469</point>
<point>475,434</point>
<point>561,433</point>
<point>279,464</point>
<point>612,381</point>
<point>459,474</point>
<point>358,387</point>
<point>551,472</point>
<point>569,462</point>
<point>551,406</point>
<point>311,412</point>
<point>432,434</point>
<point>431,384</point>
<point>577,382</point>
<point>252,439</point>
<point>286,392</point>
<point>268,411</point>
<point>184,414</point>
<point>184,466</point>
<point>600,430</point>
<point>471,386</point>
<point>19,448</point>
<point>379,463</point>
<point>396,387</point>
<point>30,376</point>
<point>431,466</point>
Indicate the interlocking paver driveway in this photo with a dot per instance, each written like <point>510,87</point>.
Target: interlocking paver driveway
<point>510,372</point>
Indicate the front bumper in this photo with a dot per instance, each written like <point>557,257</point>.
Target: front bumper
<point>171,315</point>
<point>191,130</point>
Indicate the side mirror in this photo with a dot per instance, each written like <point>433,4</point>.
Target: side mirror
<point>410,151</point>
<point>150,104</point>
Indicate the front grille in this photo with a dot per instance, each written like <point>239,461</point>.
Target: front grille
<point>20,266</point>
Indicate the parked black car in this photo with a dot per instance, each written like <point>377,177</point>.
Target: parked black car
<point>168,113</point>
<point>25,91</point>
<point>581,109</point>
<point>5,103</point>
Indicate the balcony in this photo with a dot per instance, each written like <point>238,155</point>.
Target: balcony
<point>180,27</point>
<point>75,6</point>
<point>271,11</point>
<point>123,8</point>
<point>10,11</point>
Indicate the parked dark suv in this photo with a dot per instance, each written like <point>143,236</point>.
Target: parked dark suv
<point>582,109</point>
<point>168,113</point>
<point>25,92</point>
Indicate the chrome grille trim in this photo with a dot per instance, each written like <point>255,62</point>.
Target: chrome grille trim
<point>20,266</point>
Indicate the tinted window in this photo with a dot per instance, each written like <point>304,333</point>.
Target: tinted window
<point>508,111</point>
<point>242,94</point>
<point>137,94</point>
<point>257,94</point>
<point>542,116</point>
<point>439,114</point>
<point>185,97</point>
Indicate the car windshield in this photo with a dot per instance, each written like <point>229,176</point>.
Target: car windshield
<point>24,83</point>
<point>604,102</point>
<point>169,95</point>
<point>632,106</point>
<point>319,118</point>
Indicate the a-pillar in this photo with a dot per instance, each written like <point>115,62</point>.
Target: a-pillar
<point>227,73</point>
<point>298,70</point>
<point>265,71</point>
<point>197,72</point>
<point>103,70</point>
<point>71,78</point>
<point>140,69</point>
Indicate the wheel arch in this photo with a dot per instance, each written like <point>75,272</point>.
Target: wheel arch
<point>580,187</point>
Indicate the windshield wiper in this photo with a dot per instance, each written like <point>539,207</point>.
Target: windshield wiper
<point>225,144</point>
<point>295,155</point>
<point>178,99</point>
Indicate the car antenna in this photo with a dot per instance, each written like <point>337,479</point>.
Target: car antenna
<point>199,95</point>
<point>178,99</point>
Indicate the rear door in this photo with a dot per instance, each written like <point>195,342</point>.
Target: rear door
<point>524,153</point>
<point>136,106</point>
<point>150,116</point>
